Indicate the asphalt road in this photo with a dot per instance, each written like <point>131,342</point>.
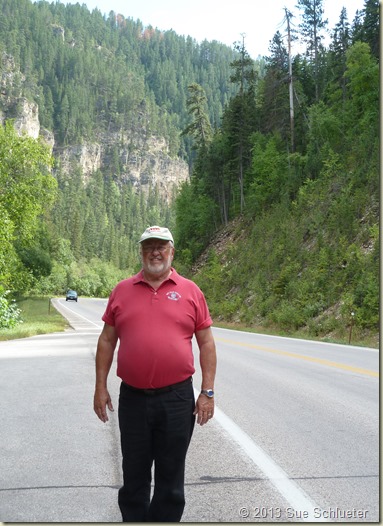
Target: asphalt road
<point>295,436</point>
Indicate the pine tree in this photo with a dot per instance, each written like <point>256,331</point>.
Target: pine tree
<point>311,26</point>
<point>368,30</point>
<point>241,115</point>
<point>200,127</point>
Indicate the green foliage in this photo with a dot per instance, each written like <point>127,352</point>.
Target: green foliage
<point>312,32</point>
<point>39,317</point>
<point>368,30</point>
<point>278,274</point>
<point>362,107</point>
<point>210,280</point>
<point>10,314</point>
<point>268,173</point>
<point>274,105</point>
<point>195,216</point>
<point>28,186</point>
<point>28,190</point>
<point>200,127</point>
<point>94,278</point>
<point>36,260</point>
<point>8,255</point>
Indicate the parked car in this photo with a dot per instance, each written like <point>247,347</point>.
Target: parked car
<point>71,295</point>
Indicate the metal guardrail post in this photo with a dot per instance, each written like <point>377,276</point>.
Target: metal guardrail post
<point>352,323</point>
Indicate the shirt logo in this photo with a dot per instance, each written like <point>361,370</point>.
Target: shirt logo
<point>173,296</point>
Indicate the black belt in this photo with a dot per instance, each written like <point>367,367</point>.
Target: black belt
<point>160,390</point>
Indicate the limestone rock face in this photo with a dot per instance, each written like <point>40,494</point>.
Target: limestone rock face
<point>13,105</point>
<point>145,162</point>
<point>48,137</point>
<point>87,156</point>
<point>137,158</point>
<point>145,167</point>
<point>11,79</point>
<point>27,119</point>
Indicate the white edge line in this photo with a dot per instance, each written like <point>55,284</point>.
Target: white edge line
<point>314,342</point>
<point>79,315</point>
<point>293,494</point>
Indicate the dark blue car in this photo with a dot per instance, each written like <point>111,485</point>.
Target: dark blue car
<point>71,295</point>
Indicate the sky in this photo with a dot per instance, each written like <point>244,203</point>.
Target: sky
<point>226,22</point>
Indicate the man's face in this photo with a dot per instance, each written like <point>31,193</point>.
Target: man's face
<point>157,255</point>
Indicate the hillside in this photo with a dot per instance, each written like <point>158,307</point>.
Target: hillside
<point>294,191</point>
<point>267,172</point>
<point>249,287</point>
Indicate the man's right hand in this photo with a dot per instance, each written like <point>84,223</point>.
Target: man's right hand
<point>101,401</point>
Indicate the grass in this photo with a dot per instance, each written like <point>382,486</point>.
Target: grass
<point>39,317</point>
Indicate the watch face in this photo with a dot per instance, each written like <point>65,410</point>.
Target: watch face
<point>210,393</point>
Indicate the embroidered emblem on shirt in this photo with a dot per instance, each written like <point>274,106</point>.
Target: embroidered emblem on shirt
<point>173,296</point>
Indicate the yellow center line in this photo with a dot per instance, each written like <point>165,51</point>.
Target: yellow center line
<point>302,357</point>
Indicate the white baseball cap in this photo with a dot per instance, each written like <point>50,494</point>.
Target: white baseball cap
<point>157,232</point>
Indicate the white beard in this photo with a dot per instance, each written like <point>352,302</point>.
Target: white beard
<point>161,266</point>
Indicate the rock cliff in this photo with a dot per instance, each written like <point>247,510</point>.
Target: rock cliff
<point>143,161</point>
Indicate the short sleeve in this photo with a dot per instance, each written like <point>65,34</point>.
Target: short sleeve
<point>203,320</point>
<point>108,316</point>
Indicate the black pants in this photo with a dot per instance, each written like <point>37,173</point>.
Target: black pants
<point>154,428</point>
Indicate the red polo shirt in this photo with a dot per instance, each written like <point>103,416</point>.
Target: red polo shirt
<point>155,329</point>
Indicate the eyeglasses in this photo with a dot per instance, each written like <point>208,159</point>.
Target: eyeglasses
<point>154,248</point>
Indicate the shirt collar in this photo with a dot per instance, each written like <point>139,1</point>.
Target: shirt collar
<point>139,278</point>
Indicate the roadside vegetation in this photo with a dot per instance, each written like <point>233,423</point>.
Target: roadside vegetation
<point>37,317</point>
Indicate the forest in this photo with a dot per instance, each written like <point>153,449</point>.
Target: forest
<point>283,154</point>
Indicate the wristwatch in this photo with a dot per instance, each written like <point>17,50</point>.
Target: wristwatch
<point>208,392</point>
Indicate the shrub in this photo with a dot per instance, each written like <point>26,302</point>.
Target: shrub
<point>10,314</point>
<point>287,316</point>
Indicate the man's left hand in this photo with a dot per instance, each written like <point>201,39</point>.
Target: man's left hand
<point>204,409</point>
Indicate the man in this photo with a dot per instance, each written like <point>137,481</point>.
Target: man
<point>154,315</point>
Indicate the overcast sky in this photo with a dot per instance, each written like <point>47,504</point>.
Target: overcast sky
<point>218,20</point>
